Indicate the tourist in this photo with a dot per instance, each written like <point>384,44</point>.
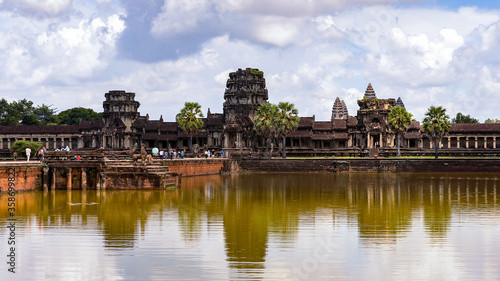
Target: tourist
<point>227,154</point>
<point>42,153</point>
<point>171,154</point>
<point>161,154</point>
<point>28,153</point>
<point>213,153</point>
<point>14,155</point>
<point>175,154</point>
<point>182,154</point>
<point>208,153</point>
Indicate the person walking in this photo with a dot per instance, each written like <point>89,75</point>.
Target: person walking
<point>28,153</point>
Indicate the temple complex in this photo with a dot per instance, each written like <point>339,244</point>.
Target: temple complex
<point>122,126</point>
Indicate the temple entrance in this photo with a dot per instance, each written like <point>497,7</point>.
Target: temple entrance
<point>232,138</point>
<point>375,141</point>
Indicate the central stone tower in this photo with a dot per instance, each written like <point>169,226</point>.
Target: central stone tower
<point>245,92</point>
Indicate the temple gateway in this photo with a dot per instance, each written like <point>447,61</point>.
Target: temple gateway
<point>122,126</point>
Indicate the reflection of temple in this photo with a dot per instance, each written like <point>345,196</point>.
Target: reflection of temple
<point>122,126</point>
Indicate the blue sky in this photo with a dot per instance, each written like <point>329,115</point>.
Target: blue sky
<point>69,53</point>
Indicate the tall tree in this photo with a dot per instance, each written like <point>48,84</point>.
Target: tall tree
<point>436,123</point>
<point>287,121</point>
<point>189,120</point>
<point>399,121</point>
<point>492,120</point>
<point>72,116</point>
<point>46,115</point>
<point>461,118</point>
<point>265,121</point>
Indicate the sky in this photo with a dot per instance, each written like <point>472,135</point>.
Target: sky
<point>69,53</point>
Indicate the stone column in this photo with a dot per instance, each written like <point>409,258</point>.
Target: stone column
<point>68,179</point>
<point>84,179</point>
<point>53,184</point>
<point>55,143</point>
<point>458,142</point>
<point>449,142</point>
<point>475,142</point>
<point>494,142</point>
<point>485,142</point>
<point>368,139</point>
<point>467,142</point>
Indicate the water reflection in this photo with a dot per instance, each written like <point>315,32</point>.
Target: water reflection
<point>266,221</point>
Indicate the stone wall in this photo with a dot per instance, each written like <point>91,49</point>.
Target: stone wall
<point>371,165</point>
<point>25,175</point>
<point>196,167</point>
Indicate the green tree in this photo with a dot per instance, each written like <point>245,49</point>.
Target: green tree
<point>74,115</point>
<point>20,147</point>
<point>399,121</point>
<point>492,120</point>
<point>17,113</point>
<point>436,123</point>
<point>460,118</point>
<point>287,121</point>
<point>265,121</point>
<point>46,115</point>
<point>189,120</point>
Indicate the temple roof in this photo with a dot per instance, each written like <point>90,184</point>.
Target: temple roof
<point>473,128</point>
<point>24,129</point>
<point>370,93</point>
<point>323,125</point>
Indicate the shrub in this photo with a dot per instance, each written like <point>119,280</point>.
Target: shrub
<point>20,147</point>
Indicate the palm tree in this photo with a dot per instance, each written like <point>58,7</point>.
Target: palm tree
<point>189,120</point>
<point>287,121</point>
<point>399,121</point>
<point>436,124</point>
<point>264,121</point>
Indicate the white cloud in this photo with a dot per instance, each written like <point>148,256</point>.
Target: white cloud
<point>62,54</point>
<point>40,8</point>
<point>180,16</point>
<point>278,31</point>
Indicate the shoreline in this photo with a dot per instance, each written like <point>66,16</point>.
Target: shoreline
<point>162,174</point>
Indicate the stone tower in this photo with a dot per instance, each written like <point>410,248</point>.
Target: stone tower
<point>370,93</point>
<point>339,110</point>
<point>120,111</point>
<point>399,102</point>
<point>245,92</point>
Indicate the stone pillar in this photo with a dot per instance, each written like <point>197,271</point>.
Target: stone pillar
<point>55,143</point>
<point>458,142</point>
<point>467,142</point>
<point>68,179</point>
<point>84,179</point>
<point>368,140</point>
<point>494,142</point>
<point>475,142</point>
<point>449,142</point>
<point>53,184</point>
<point>485,142</point>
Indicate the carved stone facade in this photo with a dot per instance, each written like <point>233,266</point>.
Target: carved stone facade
<point>121,126</point>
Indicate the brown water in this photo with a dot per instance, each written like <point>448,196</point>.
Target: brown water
<point>265,227</point>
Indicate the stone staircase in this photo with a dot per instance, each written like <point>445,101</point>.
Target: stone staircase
<point>373,152</point>
<point>156,175</point>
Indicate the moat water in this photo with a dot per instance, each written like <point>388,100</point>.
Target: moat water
<point>263,227</point>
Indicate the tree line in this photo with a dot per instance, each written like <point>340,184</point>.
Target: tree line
<point>23,112</point>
